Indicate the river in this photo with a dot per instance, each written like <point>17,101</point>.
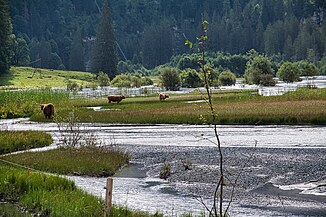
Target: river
<point>138,186</point>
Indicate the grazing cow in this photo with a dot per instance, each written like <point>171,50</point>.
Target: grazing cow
<point>163,96</point>
<point>117,98</point>
<point>48,110</point>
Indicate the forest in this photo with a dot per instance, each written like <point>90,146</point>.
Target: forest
<point>149,33</point>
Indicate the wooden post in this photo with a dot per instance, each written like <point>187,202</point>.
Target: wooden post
<point>108,197</point>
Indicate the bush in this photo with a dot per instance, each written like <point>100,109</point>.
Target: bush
<point>259,71</point>
<point>165,171</point>
<point>227,78</point>
<point>103,79</point>
<point>307,68</point>
<point>130,80</point>
<point>288,72</point>
<point>190,78</point>
<point>170,78</point>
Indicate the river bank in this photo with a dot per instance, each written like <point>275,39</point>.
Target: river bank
<point>285,160</point>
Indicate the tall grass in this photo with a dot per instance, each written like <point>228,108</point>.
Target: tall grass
<point>12,210</point>
<point>47,195</point>
<point>24,103</point>
<point>90,161</point>
<point>11,141</point>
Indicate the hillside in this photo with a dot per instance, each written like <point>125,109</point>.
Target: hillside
<point>27,77</point>
<point>150,32</point>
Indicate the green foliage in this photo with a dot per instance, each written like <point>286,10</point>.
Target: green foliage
<point>165,171</point>
<point>307,68</point>
<point>103,79</point>
<point>19,51</point>
<point>11,141</point>
<point>188,61</point>
<point>76,57</point>
<point>259,71</point>
<point>227,78</point>
<point>170,78</point>
<point>104,51</point>
<point>5,33</point>
<point>288,72</point>
<point>72,85</point>
<point>157,44</point>
<point>322,66</point>
<point>190,78</point>
<point>130,80</point>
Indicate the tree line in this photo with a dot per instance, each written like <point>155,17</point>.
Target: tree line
<point>61,34</point>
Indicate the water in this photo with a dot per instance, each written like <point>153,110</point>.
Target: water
<point>135,189</point>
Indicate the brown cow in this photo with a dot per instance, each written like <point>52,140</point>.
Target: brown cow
<point>116,98</point>
<point>163,96</point>
<point>48,110</point>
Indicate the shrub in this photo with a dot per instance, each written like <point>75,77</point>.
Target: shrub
<point>227,78</point>
<point>288,72</point>
<point>307,68</point>
<point>190,78</point>
<point>165,171</point>
<point>259,71</point>
<point>103,79</point>
<point>170,78</point>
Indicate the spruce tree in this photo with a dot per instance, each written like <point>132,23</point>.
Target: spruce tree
<point>76,59</point>
<point>5,32</point>
<point>104,52</point>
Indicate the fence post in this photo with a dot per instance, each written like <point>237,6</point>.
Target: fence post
<point>108,197</point>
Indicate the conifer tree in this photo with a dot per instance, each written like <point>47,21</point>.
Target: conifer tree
<point>76,59</point>
<point>5,32</point>
<point>104,52</point>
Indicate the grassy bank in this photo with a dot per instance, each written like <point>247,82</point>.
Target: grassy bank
<point>11,141</point>
<point>46,195</point>
<point>90,161</point>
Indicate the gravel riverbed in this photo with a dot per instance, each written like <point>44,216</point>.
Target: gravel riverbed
<point>289,181</point>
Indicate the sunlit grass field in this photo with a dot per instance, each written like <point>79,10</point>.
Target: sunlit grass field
<point>28,77</point>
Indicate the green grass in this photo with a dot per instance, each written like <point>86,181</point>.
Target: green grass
<point>47,195</point>
<point>88,160</point>
<point>12,210</point>
<point>54,196</point>
<point>305,106</point>
<point>24,77</point>
<point>11,141</point>
<point>14,104</point>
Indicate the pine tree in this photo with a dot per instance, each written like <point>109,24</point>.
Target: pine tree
<point>76,59</point>
<point>104,52</point>
<point>5,32</point>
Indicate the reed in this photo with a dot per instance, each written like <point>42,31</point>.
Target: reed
<point>11,141</point>
<point>47,195</point>
<point>24,103</point>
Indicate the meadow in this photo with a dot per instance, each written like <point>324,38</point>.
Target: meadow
<point>28,77</point>
<point>304,106</point>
